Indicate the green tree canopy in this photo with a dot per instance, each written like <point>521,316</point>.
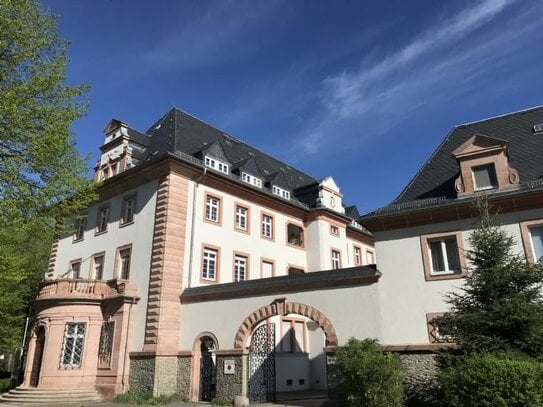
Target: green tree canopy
<point>42,177</point>
<point>500,308</point>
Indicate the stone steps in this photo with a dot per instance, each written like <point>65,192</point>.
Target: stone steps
<point>31,396</point>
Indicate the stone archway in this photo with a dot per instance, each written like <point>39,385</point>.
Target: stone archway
<point>281,307</point>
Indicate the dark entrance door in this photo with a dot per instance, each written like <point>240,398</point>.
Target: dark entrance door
<point>38,356</point>
<point>207,369</point>
<point>262,364</point>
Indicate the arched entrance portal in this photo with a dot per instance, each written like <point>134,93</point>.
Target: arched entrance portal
<point>204,367</point>
<point>38,356</point>
<point>286,342</point>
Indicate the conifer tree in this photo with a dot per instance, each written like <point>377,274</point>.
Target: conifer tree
<point>500,308</point>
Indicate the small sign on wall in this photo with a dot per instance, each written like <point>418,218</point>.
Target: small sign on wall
<point>229,366</point>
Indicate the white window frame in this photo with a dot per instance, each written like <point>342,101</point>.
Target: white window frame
<point>250,179</point>
<point>240,267</point>
<point>102,220</point>
<point>491,174</point>
<point>216,165</point>
<point>94,263</point>
<point>128,210</point>
<point>209,264</point>
<point>283,193</point>
<point>69,348</point>
<point>267,226</point>
<point>123,267</point>
<point>80,227</point>
<point>370,257</point>
<point>75,269</point>
<point>336,259</point>
<point>357,254</point>
<point>241,217</point>
<point>534,254</point>
<point>213,205</point>
<point>443,251</point>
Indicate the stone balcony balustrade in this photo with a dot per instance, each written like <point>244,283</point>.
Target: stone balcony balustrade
<point>82,288</point>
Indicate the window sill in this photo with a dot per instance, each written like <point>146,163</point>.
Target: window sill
<point>445,276</point>
<point>78,240</point>
<point>122,225</point>
<point>100,233</point>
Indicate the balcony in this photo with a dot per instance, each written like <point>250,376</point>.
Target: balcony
<point>80,288</point>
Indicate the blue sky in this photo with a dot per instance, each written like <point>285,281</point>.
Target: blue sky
<point>360,90</point>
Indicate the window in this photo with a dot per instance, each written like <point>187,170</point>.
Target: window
<point>105,346</point>
<point>292,335</point>
<point>98,266</point>
<point>249,179</point>
<point>267,226</point>
<point>240,267</point>
<point>484,177</point>
<point>241,221</point>
<point>80,226</point>
<point>266,270</point>
<point>438,331</point>
<point>212,208</point>
<point>292,271</point>
<point>283,193</point>
<point>295,235</point>
<point>123,262</point>
<point>370,257</point>
<point>334,230</point>
<point>75,269</point>
<point>336,259</point>
<point>358,256</point>
<point>209,264</point>
<point>72,345</point>
<point>441,255</point>
<point>216,165</point>
<point>102,220</point>
<point>129,207</point>
<point>444,255</point>
<point>532,238</point>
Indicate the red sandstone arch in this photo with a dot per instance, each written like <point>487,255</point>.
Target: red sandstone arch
<point>281,307</point>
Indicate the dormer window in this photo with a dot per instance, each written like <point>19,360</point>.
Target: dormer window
<point>283,193</point>
<point>249,179</point>
<point>484,177</point>
<point>484,166</point>
<point>216,165</point>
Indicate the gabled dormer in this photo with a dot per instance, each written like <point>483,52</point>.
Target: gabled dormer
<point>329,195</point>
<point>278,184</point>
<point>214,157</point>
<point>249,172</point>
<point>116,151</point>
<point>484,165</point>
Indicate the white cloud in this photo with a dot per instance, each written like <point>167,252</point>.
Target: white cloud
<point>435,64</point>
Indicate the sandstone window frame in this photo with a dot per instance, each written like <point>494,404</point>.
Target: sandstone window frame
<point>527,239</point>
<point>429,273</point>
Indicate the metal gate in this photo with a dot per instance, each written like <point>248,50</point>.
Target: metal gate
<point>207,378</point>
<point>262,364</point>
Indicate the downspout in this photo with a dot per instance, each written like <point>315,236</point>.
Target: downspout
<point>126,343</point>
<point>191,247</point>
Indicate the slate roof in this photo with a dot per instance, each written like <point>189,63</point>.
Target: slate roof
<point>434,183</point>
<point>180,132</point>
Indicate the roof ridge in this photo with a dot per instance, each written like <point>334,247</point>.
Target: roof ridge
<point>499,116</point>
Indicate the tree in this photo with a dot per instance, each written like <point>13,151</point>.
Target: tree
<point>42,177</point>
<point>500,308</point>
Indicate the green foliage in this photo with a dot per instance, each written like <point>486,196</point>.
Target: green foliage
<point>221,402</point>
<point>147,399</point>
<point>500,308</point>
<point>492,381</point>
<point>5,385</point>
<point>42,176</point>
<point>371,377</point>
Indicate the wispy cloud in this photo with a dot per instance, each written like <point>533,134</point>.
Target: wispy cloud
<point>213,36</point>
<point>443,58</point>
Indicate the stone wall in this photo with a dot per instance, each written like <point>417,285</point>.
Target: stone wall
<point>165,375</point>
<point>420,377</point>
<point>184,373</point>
<point>229,385</point>
<point>142,374</point>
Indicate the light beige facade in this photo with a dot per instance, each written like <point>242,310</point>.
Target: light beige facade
<point>169,274</point>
